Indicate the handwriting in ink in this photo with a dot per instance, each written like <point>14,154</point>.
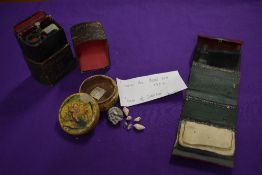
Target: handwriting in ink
<point>152,80</point>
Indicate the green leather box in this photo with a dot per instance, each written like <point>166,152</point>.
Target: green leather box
<point>208,119</point>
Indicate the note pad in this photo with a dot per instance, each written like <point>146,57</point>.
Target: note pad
<point>205,137</point>
<point>146,88</point>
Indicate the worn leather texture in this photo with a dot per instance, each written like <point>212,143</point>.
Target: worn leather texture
<point>212,94</point>
<point>91,46</point>
<point>51,58</point>
<point>53,68</point>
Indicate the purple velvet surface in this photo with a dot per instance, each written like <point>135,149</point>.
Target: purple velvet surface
<point>144,37</point>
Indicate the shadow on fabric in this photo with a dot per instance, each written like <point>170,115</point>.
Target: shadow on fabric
<point>23,97</point>
<point>199,165</point>
<point>73,139</point>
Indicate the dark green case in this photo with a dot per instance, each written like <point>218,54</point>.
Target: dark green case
<point>212,94</point>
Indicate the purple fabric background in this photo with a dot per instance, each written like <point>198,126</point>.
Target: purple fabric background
<point>145,37</point>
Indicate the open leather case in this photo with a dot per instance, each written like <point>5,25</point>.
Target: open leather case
<point>207,125</point>
<point>48,53</point>
<point>45,47</point>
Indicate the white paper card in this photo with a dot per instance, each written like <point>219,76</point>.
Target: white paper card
<point>50,28</point>
<point>97,93</point>
<point>143,89</point>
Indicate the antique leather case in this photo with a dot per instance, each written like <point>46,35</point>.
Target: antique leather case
<point>45,47</point>
<point>208,120</point>
<point>91,46</point>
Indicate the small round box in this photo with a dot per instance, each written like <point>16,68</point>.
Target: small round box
<point>103,89</point>
<point>78,114</point>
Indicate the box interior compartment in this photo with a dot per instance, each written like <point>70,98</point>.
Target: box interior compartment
<point>93,54</point>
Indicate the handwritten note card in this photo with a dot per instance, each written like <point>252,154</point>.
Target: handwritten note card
<point>143,89</point>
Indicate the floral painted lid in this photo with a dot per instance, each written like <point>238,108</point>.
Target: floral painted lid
<point>78,114</point>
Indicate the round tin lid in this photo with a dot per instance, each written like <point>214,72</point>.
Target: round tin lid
<point>78,114</point>
<point>103,89</point>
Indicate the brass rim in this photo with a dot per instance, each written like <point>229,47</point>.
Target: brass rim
<point>106,77</point>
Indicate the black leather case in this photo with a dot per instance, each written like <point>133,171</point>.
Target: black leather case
<point>212,94</point>
<point>45,47</point>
